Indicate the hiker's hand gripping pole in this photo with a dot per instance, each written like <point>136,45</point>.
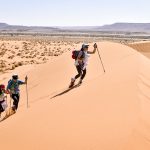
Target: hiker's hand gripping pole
<point>26,79</point>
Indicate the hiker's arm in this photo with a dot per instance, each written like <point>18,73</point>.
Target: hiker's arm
<point>7,92</point>
<point>23,82</point>
<point>93,52</point>
<point>8,89</point>
<point>8,86</point>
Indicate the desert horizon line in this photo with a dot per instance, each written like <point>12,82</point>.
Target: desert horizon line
<point>105,24</point>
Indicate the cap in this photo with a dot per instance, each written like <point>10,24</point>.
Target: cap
<point>84,45</point>
<point>2,86</point>
<point>15,76</point>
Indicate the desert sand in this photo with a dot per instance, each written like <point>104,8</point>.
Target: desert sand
<point>109,111</point>
<point>142,47</point>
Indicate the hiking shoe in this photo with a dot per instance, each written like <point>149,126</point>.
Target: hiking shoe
<point>72,83</point>
<point>12,110</point>
<point>80,82</point>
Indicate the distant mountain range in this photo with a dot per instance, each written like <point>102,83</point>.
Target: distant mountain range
<point>17,28</point>
<point>132,27</point>
<point>116,27</point>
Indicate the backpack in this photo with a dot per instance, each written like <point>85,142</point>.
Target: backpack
<point>75,54</point>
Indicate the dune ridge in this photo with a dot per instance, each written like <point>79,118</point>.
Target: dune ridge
<point>109,111</point>
<point>142,47</point>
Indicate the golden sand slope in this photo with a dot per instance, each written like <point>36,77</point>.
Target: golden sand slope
<point>143,47</point>
<point>109,111</point>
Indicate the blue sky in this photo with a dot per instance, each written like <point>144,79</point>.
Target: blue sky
<point>73,12</point>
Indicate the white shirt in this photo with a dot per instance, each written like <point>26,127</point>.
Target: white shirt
<point>2,97</point>
<point>85,59</point>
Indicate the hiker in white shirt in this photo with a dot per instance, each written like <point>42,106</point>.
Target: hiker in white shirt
<point>81,63</point>
<point>3,99</point>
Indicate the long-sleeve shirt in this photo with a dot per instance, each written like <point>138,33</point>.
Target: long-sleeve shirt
<point>14,86</point>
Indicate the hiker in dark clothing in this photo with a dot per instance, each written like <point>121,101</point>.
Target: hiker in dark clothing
<point>13,89</point>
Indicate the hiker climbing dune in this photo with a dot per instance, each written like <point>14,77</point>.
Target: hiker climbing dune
<point>3,99</point>
<point>13,89</point>
<point>81,61</point>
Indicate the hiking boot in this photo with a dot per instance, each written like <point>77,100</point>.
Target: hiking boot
<point>72,83</point>
<point>12,110</point>
<point>80,82</point>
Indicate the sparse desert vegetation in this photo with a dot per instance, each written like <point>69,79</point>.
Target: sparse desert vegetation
<point>18,50</point>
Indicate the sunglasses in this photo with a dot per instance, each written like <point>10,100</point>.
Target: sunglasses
<point>86,47</point>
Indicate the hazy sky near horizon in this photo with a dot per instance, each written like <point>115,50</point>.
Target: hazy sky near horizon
<point>73,12</point>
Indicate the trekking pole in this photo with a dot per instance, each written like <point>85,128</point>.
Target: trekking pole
<point>27,94</point>
<point>10,105</point>
<point>100,59</point>
<point>6,111</point>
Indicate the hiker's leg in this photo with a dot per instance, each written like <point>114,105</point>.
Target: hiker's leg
<point>14,101</point>
<point>1,109</point>
<point>18,98</point>
<point>15,97</point>
<point>77,76</point>
<point>1,106</point>
<point>79,72</point>
<point>83,75</point>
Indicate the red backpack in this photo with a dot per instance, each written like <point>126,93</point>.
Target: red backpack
<point>75,54</point>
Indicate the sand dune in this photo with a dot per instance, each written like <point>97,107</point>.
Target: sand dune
<point>143,47</point>
<point>108,112</point>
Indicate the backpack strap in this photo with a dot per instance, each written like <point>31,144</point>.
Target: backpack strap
<point>81,54</point>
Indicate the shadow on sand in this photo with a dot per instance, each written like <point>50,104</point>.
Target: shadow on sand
<point>65,91</point>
